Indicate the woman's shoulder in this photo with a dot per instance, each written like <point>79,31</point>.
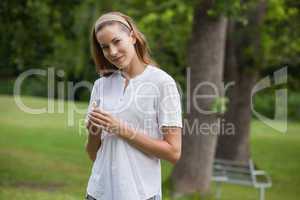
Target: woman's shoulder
<point>106,78</point>
<point>159,75</point>
<point>98,80</point>
<point>98,83</point>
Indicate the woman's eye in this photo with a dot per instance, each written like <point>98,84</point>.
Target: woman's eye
<point>104,47</point>
<point>117,41</point>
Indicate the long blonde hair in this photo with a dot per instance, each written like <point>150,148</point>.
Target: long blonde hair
<point>103,66</point>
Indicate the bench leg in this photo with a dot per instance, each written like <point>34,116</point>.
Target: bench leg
<point>218,190</point>
<point>262,193</point>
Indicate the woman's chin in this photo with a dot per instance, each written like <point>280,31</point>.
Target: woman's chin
<point>122,65</point>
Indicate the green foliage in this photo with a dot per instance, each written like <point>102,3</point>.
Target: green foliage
<point>21,45</point>
<point>35,86</point>
<point>220,105</point>
<point>42,34</point>
<point>281,41</point>
<point>230,8</point>
<point>28,29</point>
<point>265,104</point>
<point>6,86</point>
<point>169,45</point>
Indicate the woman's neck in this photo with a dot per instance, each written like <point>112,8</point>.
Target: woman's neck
<point>135,68</point>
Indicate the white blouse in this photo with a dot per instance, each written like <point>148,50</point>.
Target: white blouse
<point>150,101</point>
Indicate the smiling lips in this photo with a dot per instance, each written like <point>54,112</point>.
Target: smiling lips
<point>118,59</point>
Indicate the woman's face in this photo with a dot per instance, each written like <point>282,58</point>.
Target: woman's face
<point>117,45</point>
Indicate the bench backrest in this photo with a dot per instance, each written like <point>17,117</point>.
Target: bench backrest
<point>234,171</point>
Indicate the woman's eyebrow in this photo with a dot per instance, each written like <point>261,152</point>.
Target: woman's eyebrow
<point>115,38</point>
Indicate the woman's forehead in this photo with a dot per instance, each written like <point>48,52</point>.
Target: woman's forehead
<point>109,32</point>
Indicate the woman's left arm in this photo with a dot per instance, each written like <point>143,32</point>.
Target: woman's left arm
<point>168,149</point>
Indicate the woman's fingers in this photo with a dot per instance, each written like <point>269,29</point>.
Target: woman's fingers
<point>102,112</point>
<point>105,119</point>
<point>106,126</point>
<point>100,116</point>
<point>97,121</point>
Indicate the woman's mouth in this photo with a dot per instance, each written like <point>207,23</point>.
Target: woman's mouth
<point>118,59</point>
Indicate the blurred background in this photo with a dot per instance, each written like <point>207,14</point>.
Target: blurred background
<point>41,157</point>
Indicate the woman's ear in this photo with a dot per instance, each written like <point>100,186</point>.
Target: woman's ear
<point>133,38</point>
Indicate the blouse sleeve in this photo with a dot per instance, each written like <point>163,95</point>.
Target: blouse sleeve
<point>169,105</point>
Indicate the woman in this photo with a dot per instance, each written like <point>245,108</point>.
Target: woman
<point>137,120</point>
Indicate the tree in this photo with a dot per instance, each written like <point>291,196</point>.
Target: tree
<point>244,58</point>
<point>205,57</point>
<point>267,40</point>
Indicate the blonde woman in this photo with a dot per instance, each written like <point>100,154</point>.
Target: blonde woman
<point>134,115</point>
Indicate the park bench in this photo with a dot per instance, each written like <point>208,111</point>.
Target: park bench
<point>233,172</point>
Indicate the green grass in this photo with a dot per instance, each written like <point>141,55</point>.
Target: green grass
<point>42,158</point>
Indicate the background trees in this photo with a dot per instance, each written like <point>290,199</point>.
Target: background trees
<point>244,58</point>
<point>205,57</point>
<point>40,34</point>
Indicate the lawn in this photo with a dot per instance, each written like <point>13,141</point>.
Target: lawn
<point>41,157</point>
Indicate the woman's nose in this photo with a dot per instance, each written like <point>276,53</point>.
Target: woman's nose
<point>113,51</point>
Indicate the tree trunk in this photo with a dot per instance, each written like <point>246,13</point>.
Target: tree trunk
<point>241,68</point>
<point>206,59</point>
